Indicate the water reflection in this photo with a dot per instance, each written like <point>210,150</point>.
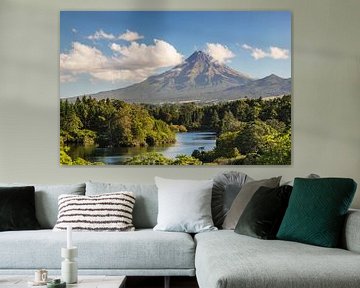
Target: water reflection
<point>186,143</point>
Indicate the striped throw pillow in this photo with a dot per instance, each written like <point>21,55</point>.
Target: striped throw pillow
<point>105,212</point>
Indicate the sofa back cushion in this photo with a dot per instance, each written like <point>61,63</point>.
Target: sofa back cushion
<point>146,204</point>
<point>350,238</point>
<point>46,200</point>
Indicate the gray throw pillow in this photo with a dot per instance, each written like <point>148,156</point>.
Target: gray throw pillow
<point>242,199</point>
<point>310,176</point>
<point>226,187</point>
<point>46,200</point>
<point>184,205</point>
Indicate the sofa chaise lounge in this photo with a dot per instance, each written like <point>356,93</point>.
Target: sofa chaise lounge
<point>219,259</point>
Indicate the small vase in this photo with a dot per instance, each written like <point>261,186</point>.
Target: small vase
<point>69,271</point>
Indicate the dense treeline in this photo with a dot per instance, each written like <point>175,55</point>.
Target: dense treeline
<point>109,123</point>
<point>255,143</point>
<point>217,117</point>
<point>249,131</point>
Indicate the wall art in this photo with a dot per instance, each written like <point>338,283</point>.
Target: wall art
<point>175,88</point>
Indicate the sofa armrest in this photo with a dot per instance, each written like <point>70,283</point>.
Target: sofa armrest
<point>351,234</point>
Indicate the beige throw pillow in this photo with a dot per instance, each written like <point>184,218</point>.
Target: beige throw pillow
<point>243,198</point>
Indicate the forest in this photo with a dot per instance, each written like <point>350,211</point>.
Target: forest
<point>248,131</point>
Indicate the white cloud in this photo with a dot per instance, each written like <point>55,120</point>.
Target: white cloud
<point>219,52</point>
<point>138,56</point>
<point>130,36</point>
<point>115,75</point>
<point>74,30</point>
<point>101,35</point>
<point>82,58</point>
<point>258,53</point>
<point>273,52</point>
<point>245,46</point>
<point>278,53</point>
<point>135,62</point>
<point>67,78</point>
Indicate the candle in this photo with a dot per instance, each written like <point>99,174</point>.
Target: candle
<point>69,237</point>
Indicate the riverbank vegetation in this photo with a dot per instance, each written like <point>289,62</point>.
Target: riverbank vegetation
<point>65,158</point>
<point>154,158</point>
<point>249,131</point>
<point>111,123</point>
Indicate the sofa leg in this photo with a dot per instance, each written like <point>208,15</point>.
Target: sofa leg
<point>167,282</point>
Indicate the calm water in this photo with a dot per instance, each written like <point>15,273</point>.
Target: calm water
<point>186,143</point>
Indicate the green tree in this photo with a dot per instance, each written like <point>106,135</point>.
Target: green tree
<point>275,150</point>
<point>69,121</point>
<point>65,159</point>
<point>284,110</point>
<point>154,158</point>
<point>151,158</point>
<point>186,160</point>
<point>230,124</point>
<point>250,138</point>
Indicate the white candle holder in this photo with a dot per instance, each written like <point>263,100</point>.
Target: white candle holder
<point>69,270</point>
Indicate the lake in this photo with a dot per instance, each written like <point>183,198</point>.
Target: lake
<point>186,143</point>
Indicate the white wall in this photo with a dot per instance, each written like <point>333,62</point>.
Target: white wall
<point>326,84</point>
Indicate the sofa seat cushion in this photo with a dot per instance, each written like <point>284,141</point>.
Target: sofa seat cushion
<point>142,249</point>
<point>226,259</point>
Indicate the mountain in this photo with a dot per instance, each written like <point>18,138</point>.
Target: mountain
<point>271,85</point>
<point>199,71</point>
<point>199,78</point>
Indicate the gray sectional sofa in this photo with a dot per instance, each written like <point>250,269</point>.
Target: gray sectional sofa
<point>219,259</point>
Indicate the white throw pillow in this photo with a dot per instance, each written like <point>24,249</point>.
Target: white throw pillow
<point>184,205</point>
<point>105,212</point>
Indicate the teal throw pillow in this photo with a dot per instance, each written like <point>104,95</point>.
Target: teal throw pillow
<point>316,211</point>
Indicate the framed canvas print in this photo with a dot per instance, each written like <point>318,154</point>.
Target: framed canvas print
<point>175,88</point>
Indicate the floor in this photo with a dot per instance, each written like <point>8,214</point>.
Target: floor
<point>158,282</point>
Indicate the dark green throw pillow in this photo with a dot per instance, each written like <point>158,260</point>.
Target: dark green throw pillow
<point>17,208</point>
<point>316,211</point>
<point>263,214</point>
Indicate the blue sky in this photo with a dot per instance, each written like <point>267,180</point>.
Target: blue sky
<point>108,50</point>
